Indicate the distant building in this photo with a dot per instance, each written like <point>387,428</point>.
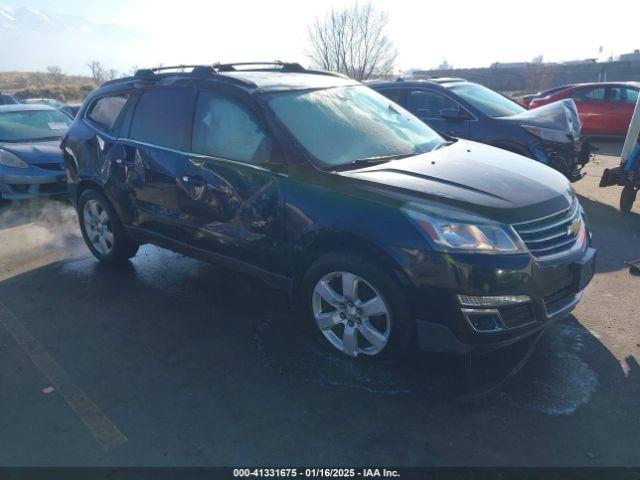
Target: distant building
<point>631,57</point>
<point>580,62</point>
<point>444,65</point>
<point>509,65</point>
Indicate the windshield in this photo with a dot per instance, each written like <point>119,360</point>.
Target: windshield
<point>33,125</point>
<point>487,101</point>
<point>342,125</point>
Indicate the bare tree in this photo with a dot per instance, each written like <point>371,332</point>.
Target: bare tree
<point>55,73</point>
<point>97,71</point>
<point>111,74</point>
<point>352,41</point>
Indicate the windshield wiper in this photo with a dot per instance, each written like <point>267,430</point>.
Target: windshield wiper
<point>367,162</point>
<point>443,144</point>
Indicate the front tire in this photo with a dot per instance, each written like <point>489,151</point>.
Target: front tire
<point>357,307</point>
<point>102,230</point>
<point>627,197</point>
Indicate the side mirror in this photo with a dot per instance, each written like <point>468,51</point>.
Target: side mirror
<point>452,114</point>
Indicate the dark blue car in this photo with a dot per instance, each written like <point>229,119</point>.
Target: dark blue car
<point>462,109</point>
<point>385,235</point>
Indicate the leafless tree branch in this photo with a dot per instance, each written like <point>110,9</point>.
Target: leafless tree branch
<point>352,41</point>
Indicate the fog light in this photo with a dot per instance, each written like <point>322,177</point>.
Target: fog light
<point>484,320</point>
<point>494,301</point>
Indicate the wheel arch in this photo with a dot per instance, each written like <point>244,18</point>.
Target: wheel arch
<point>317,244</point>
<point>125,215</point>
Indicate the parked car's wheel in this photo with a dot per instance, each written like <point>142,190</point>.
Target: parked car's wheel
<point>101,229</point>
<point>357,307</point>
<point>627,197</point>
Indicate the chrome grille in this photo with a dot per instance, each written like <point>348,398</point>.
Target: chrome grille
<point>552,235</point>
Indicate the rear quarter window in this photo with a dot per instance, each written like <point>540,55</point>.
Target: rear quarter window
<point>105,111</point>
<point>162,117</point>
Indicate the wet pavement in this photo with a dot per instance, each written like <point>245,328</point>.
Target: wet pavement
<point>171,361</point>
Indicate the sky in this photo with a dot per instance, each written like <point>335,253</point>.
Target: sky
<point>467,33</point>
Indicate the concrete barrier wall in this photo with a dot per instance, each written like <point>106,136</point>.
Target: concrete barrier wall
<point>531,78</point>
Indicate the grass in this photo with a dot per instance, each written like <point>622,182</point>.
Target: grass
<point>66,88</point>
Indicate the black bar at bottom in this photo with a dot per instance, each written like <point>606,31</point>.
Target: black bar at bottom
<point>405,473</point>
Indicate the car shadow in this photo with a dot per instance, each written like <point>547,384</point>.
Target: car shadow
<point>612,231</point>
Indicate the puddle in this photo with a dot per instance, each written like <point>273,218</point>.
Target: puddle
<point>556,381</point>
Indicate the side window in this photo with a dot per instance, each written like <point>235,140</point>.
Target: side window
<point>631,95</point>
<point>425,104</point>
<point>616,94</point>
<point>162,117</point>
<point>393,94</point>
<point>105,111</point>
<point>589,94</point>
<point>224,128</point>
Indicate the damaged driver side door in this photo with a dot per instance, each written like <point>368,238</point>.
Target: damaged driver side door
<point>231,186</point>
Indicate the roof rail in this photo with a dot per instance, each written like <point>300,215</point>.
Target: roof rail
<point>148,73</point>
<point>446,79</point>
<point>284,66</point>
<point>174,67</point>
<point>208,70</point>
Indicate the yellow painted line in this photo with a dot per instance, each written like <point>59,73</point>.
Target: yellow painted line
<point>102,429</point>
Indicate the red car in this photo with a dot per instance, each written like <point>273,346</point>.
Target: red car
<point>526,100</point>
<point>605,108</point>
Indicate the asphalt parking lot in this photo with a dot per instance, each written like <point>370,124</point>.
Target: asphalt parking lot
<point>171,361</point>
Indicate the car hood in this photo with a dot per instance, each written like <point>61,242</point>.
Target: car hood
<point>561,115</point>
<point>477,178</point>
<point>35,153</point>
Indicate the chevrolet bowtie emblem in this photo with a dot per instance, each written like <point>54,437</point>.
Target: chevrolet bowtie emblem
<point>574,227</point>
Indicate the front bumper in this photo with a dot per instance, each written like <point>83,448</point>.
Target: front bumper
<point>443,323</point>
<point>22,184</point>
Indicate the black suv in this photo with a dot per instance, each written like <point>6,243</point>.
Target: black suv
<point>386,235</point>
<point>462,109</point>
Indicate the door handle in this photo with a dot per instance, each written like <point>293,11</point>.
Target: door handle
<point>195,180</point>
<point>122,161</point>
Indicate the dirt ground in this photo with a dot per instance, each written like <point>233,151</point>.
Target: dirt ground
<point>171,361</point>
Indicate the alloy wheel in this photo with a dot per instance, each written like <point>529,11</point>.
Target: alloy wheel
<point>351,314</point>
<point>98,226</point>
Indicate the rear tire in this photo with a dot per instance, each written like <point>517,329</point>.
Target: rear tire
<point>627,198</point>
<point>370,321</point>
<point>102,230</point>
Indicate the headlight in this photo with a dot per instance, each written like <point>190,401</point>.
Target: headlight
<point>550,134</point>
<point>458,231</point>
<point>8,159</point>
